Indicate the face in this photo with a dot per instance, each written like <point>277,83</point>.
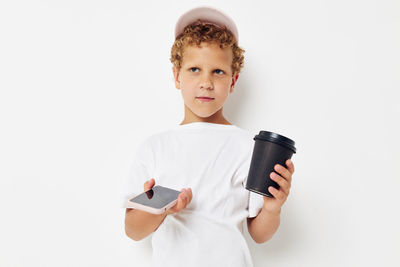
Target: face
<point>205,72</point>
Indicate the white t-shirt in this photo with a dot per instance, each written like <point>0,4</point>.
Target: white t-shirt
<point>214,161</point>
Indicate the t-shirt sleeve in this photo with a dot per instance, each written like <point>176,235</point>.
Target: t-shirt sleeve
<point>139,173</point>
<point>256,201</point>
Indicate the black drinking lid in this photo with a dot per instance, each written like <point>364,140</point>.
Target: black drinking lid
<point>276,138</point>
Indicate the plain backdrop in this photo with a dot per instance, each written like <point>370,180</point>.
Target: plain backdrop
<point>84,82</point>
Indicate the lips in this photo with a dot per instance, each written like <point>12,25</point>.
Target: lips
<point>204,97</point>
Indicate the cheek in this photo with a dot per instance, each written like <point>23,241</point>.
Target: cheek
<point>223,88</point>
<point>187,91</point>
<point>188,87</point>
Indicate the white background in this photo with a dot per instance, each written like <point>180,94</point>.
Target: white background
<point>83,82</point>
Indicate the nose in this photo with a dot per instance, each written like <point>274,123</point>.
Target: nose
<point>206,82</point>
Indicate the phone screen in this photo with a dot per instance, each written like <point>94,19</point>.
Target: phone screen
<point>157,197</point>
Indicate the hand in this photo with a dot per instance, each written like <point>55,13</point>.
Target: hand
<point>184,198</point>
<point>284,180</point>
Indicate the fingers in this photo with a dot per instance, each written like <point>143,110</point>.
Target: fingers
<point>283,183</point>
<point>278,194</point>
<point>189,195</point>
<point>285,173</point>
<point>285,178</point>
<point>182,201</point>
<point>149,184</point>
<point>186,197</point>
<point>290,165</point>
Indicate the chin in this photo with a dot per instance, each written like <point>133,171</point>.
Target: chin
<point>204,115</point>
<point>202,112</point>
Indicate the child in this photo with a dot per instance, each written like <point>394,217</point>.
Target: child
<point>205,155</point>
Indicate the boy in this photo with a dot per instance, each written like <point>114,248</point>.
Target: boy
<point>205,155</point>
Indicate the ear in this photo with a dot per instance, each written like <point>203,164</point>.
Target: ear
<point>176,78</point>
<point>235,77</point>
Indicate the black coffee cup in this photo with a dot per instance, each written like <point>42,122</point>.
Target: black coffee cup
<point>269,149</point>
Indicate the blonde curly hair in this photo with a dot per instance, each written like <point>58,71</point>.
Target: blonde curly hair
<point>194,34</point>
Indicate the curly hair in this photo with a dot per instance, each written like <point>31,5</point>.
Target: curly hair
<point>194,34</point>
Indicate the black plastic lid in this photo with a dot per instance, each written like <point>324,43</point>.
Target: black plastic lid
<point>276,138</point>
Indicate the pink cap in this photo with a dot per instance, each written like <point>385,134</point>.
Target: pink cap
<point>206,14</point>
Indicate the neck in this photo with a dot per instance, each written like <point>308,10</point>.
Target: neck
<point>217,117</point>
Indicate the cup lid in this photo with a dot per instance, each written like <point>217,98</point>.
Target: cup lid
<point>276,138</point>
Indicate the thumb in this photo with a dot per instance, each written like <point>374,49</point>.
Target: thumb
<point>149,184</point>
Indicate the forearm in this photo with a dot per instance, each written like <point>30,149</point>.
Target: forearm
<point>264,225</point>
<point>139,224</point>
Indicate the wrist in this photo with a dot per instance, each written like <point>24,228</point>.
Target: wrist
<point>275,212</point>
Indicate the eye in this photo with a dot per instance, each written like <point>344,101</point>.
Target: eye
<point>193,68</point>
<point>221,71</point>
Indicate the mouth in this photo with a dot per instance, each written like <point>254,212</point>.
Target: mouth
<point>205,99</point>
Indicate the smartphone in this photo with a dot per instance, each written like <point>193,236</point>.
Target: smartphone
<point>156,200</point>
